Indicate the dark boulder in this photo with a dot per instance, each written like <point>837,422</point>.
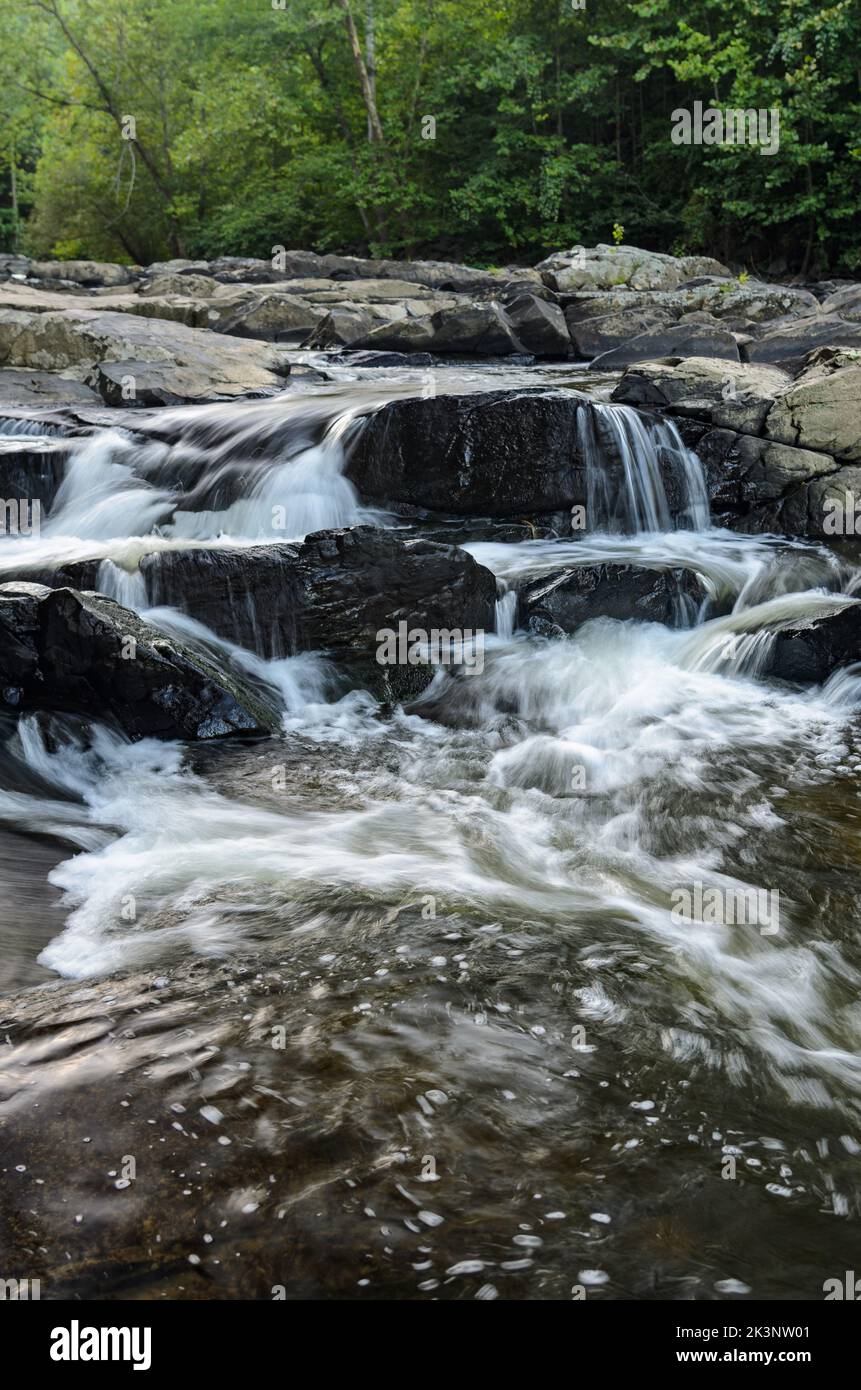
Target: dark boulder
<point>247,595</point>
<point>497,453</point>
<point>333,593</point>
<point>563,601</point>
<point>593,335</point>
<point>809,649</point>
<point>469,329</point>
<point>756,484</point>
<point>32,469</point>
<point>538,324</point>
<point>355,583</point>
<point>82,653</point>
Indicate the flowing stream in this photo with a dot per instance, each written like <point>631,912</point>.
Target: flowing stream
<point>511,1069</point>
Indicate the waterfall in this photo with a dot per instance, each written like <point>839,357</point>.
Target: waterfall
<point>640,474</point>
<point>739,643</point>
<point>127,587</point>
<point>14,427</point>
<point>506,613</point>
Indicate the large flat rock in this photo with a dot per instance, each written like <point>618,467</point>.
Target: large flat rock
<point>205,365</point>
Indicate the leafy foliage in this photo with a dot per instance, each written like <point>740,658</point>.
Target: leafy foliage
<point>254,126</point>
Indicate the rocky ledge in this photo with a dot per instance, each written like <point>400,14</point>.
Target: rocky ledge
<point>781,450</point>
<point>66,648</point>
<point>197,330</point>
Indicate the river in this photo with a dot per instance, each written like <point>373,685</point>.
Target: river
<point>403,1008</point>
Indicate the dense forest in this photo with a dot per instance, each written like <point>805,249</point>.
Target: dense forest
<point>484,130</point>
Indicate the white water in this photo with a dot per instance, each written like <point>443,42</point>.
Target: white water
<point>648,450</point>
<point>686,761</point>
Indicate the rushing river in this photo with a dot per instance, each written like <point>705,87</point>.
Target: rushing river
<point>404,1009</point>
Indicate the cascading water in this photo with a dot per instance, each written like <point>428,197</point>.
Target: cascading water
<point>641,477</point>
<point>470,902</point>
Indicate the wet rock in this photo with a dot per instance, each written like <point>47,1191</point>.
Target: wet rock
<point>497,453</point>
<point>355,583</point>
<point>573,596</point>
<point>82,653</point>
<point>359,357</point>
<point>31,469</point>
<point>763,484</point>
<point>331,593</point>
<point>809,649</point>
<point>249,595</point>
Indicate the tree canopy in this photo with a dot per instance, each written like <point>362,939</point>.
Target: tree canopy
<point>484,130</point>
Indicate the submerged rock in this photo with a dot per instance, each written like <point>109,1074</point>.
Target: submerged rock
<point>808,650</point>
<point>561,602</point>
<point>82,653</point>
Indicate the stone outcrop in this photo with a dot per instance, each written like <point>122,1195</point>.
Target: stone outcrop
<point>604,267</point>
<point>332,593</point>
<point>775,448</point>
<point>495,453</point>
<point>82,653</point>
<point>562,602</point>
<point>159,359</point>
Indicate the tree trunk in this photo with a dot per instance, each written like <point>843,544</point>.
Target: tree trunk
<point>375,130</point>
<point>13,178</point>
<point>370,57</point>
